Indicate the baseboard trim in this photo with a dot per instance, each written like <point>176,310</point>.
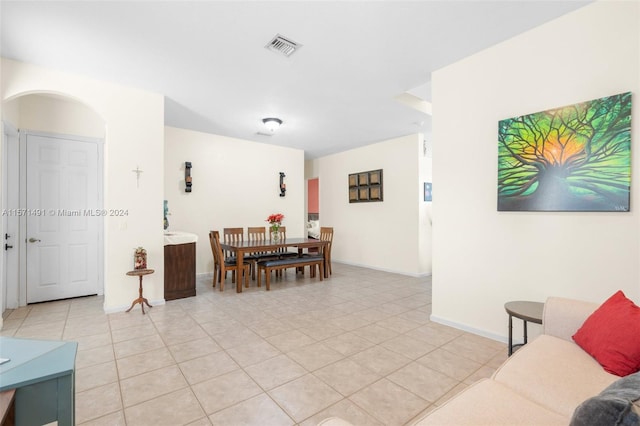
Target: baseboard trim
<point>428,274</point>
<point>421,275</point>
<point>473,330</point>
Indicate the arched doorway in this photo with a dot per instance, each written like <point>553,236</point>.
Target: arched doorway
<point>53,199</point>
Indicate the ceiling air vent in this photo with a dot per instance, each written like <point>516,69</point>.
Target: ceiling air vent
<point>283,45</point>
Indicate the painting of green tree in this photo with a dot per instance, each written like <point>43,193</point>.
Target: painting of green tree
<point>575,158</point>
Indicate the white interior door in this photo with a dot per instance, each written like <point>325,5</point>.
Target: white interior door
<point>62,227</point>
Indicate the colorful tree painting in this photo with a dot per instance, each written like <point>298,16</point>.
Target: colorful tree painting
<point>575,158</point>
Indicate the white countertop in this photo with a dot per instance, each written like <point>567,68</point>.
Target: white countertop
<point>179,237</point>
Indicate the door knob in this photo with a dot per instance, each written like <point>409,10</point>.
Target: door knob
<point>7,247</point>
<point>34,240</point>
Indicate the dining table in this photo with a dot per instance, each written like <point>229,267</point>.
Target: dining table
<point>240,248</point>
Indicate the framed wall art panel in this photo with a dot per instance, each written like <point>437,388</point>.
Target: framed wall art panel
<point>353,194</point>
<point>363,193</point>
<point>375,177</point>
<point>363,179</point>
<point>573,158</point>
<point>375,193</point>
<point>365,186</point>
<point>428,188</point>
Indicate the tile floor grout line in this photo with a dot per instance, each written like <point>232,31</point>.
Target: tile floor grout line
<point>115,362</point>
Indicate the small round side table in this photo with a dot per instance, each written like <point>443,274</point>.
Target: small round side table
<point>526,311</point>
<point>141,300</point>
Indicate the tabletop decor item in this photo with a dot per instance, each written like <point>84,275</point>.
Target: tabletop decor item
<point>275,220</point>
<point>140,258</point>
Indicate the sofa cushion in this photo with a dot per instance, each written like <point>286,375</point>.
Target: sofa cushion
<point>490,403</point>
<point>618,404</point>
<point>605,335</point>
<point>562,317</point>
<point>554,373</point>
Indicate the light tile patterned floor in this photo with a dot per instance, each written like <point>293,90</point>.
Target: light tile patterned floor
<point>358,345</point>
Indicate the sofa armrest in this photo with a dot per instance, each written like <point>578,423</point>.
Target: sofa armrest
<point>563,317</point>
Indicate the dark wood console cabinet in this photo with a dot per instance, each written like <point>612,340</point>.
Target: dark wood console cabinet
<point>179,271</point>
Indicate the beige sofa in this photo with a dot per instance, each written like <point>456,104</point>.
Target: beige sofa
<point>540,384</point>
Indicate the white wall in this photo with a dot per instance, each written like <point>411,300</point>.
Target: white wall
<point>483,258</point>
<point>425,213</point>
<point>235,184</point>
<point>55,114</point>
<point>311,169</point>
<point>134,137</point>
<point>380,235</point>
<point>11,112</point>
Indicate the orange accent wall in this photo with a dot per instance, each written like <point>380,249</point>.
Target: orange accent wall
<point>312,196</point>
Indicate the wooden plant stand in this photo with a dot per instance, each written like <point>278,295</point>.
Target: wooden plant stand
<point>141,300</point>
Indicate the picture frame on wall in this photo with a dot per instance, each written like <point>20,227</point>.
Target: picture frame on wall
<point>571,158</point>
<point>428,187</point>
<point>365,186</point>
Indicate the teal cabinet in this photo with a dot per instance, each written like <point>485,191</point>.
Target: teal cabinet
<point>43,374</point>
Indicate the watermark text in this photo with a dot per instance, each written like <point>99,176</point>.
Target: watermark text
<point>66,212</point>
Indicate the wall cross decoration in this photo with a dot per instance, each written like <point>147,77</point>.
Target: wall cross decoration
<point>137,171</point>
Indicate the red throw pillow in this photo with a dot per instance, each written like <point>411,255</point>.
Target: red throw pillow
<point>612,335</point>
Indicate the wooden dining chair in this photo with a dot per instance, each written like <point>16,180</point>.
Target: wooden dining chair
<point>256,234</point>
<point>326,234</point>
<point>223,264</point>
<point>282,252</point>
<point>216,259</point>
<point>232,236</point>
<point>285,253</point>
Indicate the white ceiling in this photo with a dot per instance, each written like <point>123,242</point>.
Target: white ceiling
<point>208,58</point>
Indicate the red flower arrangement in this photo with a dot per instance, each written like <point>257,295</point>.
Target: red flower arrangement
<point>275,220</point>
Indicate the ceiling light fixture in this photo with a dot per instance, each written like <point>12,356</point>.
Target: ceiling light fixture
<point>272,124</point>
